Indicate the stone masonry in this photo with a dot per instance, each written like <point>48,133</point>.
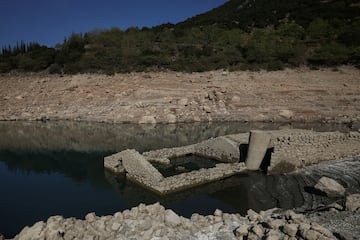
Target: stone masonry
<point>290,150</point>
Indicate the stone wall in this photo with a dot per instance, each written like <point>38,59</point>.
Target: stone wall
<point>294,149</point>
<point>289,150</point>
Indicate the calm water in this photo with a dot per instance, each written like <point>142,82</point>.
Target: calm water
<point>57,169</point>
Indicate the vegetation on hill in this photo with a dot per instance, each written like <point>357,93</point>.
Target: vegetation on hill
<point>241,34</point>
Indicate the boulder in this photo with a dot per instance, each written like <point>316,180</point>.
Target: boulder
<point>291,229</point>
<point>330,187</point>
<point>286,114</point>
<point>353,202</point>
<point>171,218</point>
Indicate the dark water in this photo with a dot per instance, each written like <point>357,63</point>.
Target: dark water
<point>57,169</point>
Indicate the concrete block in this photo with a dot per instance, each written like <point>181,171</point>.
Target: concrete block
<point>258,145</point>
<point>138,167</point>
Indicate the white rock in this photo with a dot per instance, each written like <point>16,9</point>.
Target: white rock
<point>235,99</point>
<point>218,213</point>
<point>90,217</point>
<point>34,232</point>
<point>291,229</point>
<point>115,226</point>
<point>286,114</point>
<point>183,101</point>
<point>207,109</point>
<point>242,230</point>
<point>171,218</point>
<point>171,118</point>
<point>258,231</point>
<point>331,187</point>
<point>353,202</point>
<point>147,120</point>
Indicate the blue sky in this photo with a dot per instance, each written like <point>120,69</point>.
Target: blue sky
<point>49,21</point>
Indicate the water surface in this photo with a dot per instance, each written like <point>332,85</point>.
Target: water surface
<point>56,168</point>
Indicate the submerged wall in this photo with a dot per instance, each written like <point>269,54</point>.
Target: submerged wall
<point>274,152</point>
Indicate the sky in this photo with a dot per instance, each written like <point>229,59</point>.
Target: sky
<point>48,22</point>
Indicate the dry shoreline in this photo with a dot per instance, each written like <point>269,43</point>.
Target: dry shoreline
<point>300,95</point>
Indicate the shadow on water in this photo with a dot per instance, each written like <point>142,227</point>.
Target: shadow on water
<point>56,168</point>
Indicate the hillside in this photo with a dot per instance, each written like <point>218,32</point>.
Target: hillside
<point>246,14</point>
<point>241,34</point>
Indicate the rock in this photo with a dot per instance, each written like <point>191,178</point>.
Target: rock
<point>242,230</point>
<point>286,114</point>
<point>252,215</point>
<point>235,99</point>
<point>171,218</point>
<point>218,213</point>
<point>183,102</point>
<point>207,109</point>
<point>258,231</point>
<point>324,231</point>
<point>144,225</point>
<point>353,202</point>
<point>147,120</point>
<point>330,187</point>
<point>34,232</point>
<point>115,226</point>
<point>171,118</point>
<point>277,223</point>
<point>291,229</point>
<point>274,235</point>
<point>225,73</point>
<point>312,235</point>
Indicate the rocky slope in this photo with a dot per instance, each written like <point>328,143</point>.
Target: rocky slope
<point>156,222</point>
<point>290,95</point>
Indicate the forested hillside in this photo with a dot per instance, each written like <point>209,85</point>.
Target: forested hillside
<point>241,34</point>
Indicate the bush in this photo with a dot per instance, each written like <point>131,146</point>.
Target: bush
<point>329,55</point>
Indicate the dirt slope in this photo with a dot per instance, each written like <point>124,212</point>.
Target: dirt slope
<point>289,95</point>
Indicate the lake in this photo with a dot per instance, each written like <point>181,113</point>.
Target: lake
<point>56,168</point>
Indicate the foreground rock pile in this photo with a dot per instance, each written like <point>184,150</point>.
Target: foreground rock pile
<point>156,222</point>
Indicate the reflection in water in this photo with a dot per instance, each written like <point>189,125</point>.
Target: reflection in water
<point>56,168</point>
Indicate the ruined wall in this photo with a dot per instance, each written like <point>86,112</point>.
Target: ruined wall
<point>295,149</point>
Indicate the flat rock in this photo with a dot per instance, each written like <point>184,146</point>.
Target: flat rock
<point>330,187</point>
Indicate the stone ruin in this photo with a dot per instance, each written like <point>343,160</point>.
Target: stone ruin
<point>273,152</point>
